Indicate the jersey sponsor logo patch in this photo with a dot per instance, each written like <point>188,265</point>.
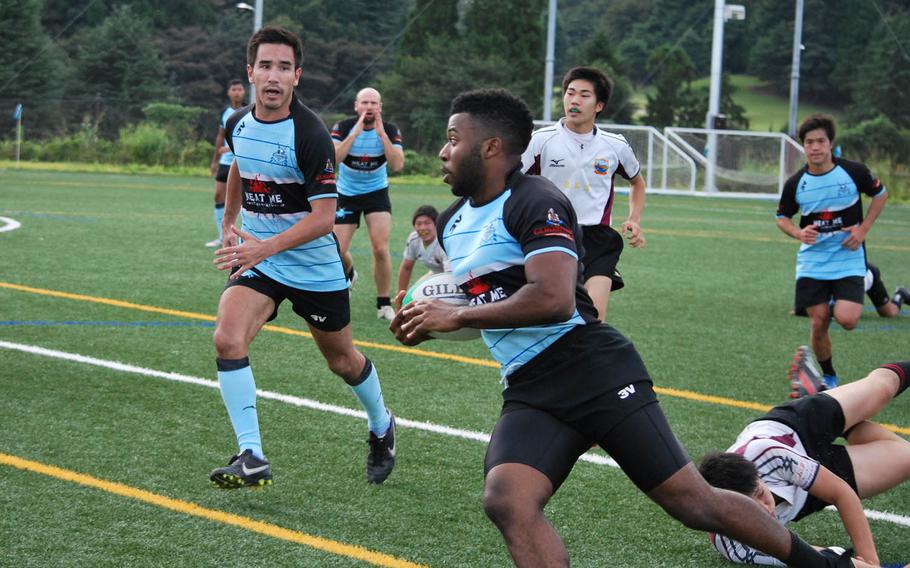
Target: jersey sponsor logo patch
<point>239,128</point>
<point>279,156</point>
<point>601,166</point>
<point>553,218</point>
<point>258,186</point>
<point>553,231</point>
<point>476,286</point>
<point>557,163</point>
<point>317,317</point>
<point>327,175</point>
<point>488,233</point>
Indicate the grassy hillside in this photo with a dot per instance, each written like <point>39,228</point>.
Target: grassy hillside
<point>765,109</point>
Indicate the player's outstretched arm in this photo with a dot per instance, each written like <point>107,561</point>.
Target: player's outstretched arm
<point>807,234</point>
<point>632,226</point>
<point>343,147</point>
<point>219,149</point>
<point>404,273</point>
<point>832,489</point>
<point>233,199</point>
<point>858,232</point>
<point>394,155</point>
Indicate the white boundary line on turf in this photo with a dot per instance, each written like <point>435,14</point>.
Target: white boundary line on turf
<point>316,405</point>
<point>7,224</point>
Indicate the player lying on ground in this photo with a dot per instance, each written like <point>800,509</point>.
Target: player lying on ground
<point>788,462</point>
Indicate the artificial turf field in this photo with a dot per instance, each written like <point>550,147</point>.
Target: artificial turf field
<point>106,465</point>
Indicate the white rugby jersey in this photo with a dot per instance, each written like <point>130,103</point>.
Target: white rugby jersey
<point>582,166</point>
<point>782,464</point>
<point>432,255</point>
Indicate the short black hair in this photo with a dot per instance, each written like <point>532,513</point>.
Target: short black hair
<point>730,471</point>
<point>816,121</point>
<point>603,85</point>
<point>502,113</point>
<point>274,34</point>
<point>425,211</point>
<point>233,82</point>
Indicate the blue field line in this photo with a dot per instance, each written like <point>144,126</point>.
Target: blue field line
<point>114,323</point>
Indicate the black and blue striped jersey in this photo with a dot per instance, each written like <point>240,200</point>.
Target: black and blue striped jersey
<point>830,201</point>
<point>227,157</point>
<point>488,246</point>
<point>284,165</point>
<point>365,168</point>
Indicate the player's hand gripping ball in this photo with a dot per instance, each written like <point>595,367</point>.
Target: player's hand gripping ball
<point>441,286</point>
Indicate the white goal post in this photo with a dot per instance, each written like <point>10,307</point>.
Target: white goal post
<point>747,164</point>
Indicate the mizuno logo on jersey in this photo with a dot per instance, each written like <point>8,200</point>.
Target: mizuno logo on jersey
<point>318,318</point>
<point>626,392</point>
<point>239,128</point>
<point>557,163</point>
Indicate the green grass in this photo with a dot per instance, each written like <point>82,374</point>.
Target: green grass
<point>706,304</point>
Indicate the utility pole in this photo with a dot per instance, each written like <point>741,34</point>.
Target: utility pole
<point>548,74</point>
<point>717,58</point>
<point>794,69</point>
<point>722,13</point>
<point>257,25</point>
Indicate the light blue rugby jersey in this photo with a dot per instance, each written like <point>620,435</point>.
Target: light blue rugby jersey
<point>284,165</point>
<point>488,247</point>
<point>365,168</point>
<point>831,201</point>
<point>227,157</point>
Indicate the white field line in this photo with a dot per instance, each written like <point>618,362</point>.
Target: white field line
<point>316,405</point>
<point>7,224</point>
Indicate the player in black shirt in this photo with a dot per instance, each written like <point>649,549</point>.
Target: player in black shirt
<point>588,386</point>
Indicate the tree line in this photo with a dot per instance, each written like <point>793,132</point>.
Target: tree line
<point>100,70</point>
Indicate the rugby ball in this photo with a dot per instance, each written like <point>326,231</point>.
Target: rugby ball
<point>441,286</point>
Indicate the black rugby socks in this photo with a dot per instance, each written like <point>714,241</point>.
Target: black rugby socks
<point>902,369</point>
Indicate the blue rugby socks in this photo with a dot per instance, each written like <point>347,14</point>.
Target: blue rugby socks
<point>219,217</point>
<point>238,390</point>
<point>369,393</point>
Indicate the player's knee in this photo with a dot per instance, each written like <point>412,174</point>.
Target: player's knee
<point>819,326</point>
<point>501,508</point>
<point>848,323</point>
<point>381,251</point>
<point>347,367</point>
<point>229,345</point>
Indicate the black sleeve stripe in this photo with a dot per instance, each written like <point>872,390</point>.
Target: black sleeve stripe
<point>232,122</point>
